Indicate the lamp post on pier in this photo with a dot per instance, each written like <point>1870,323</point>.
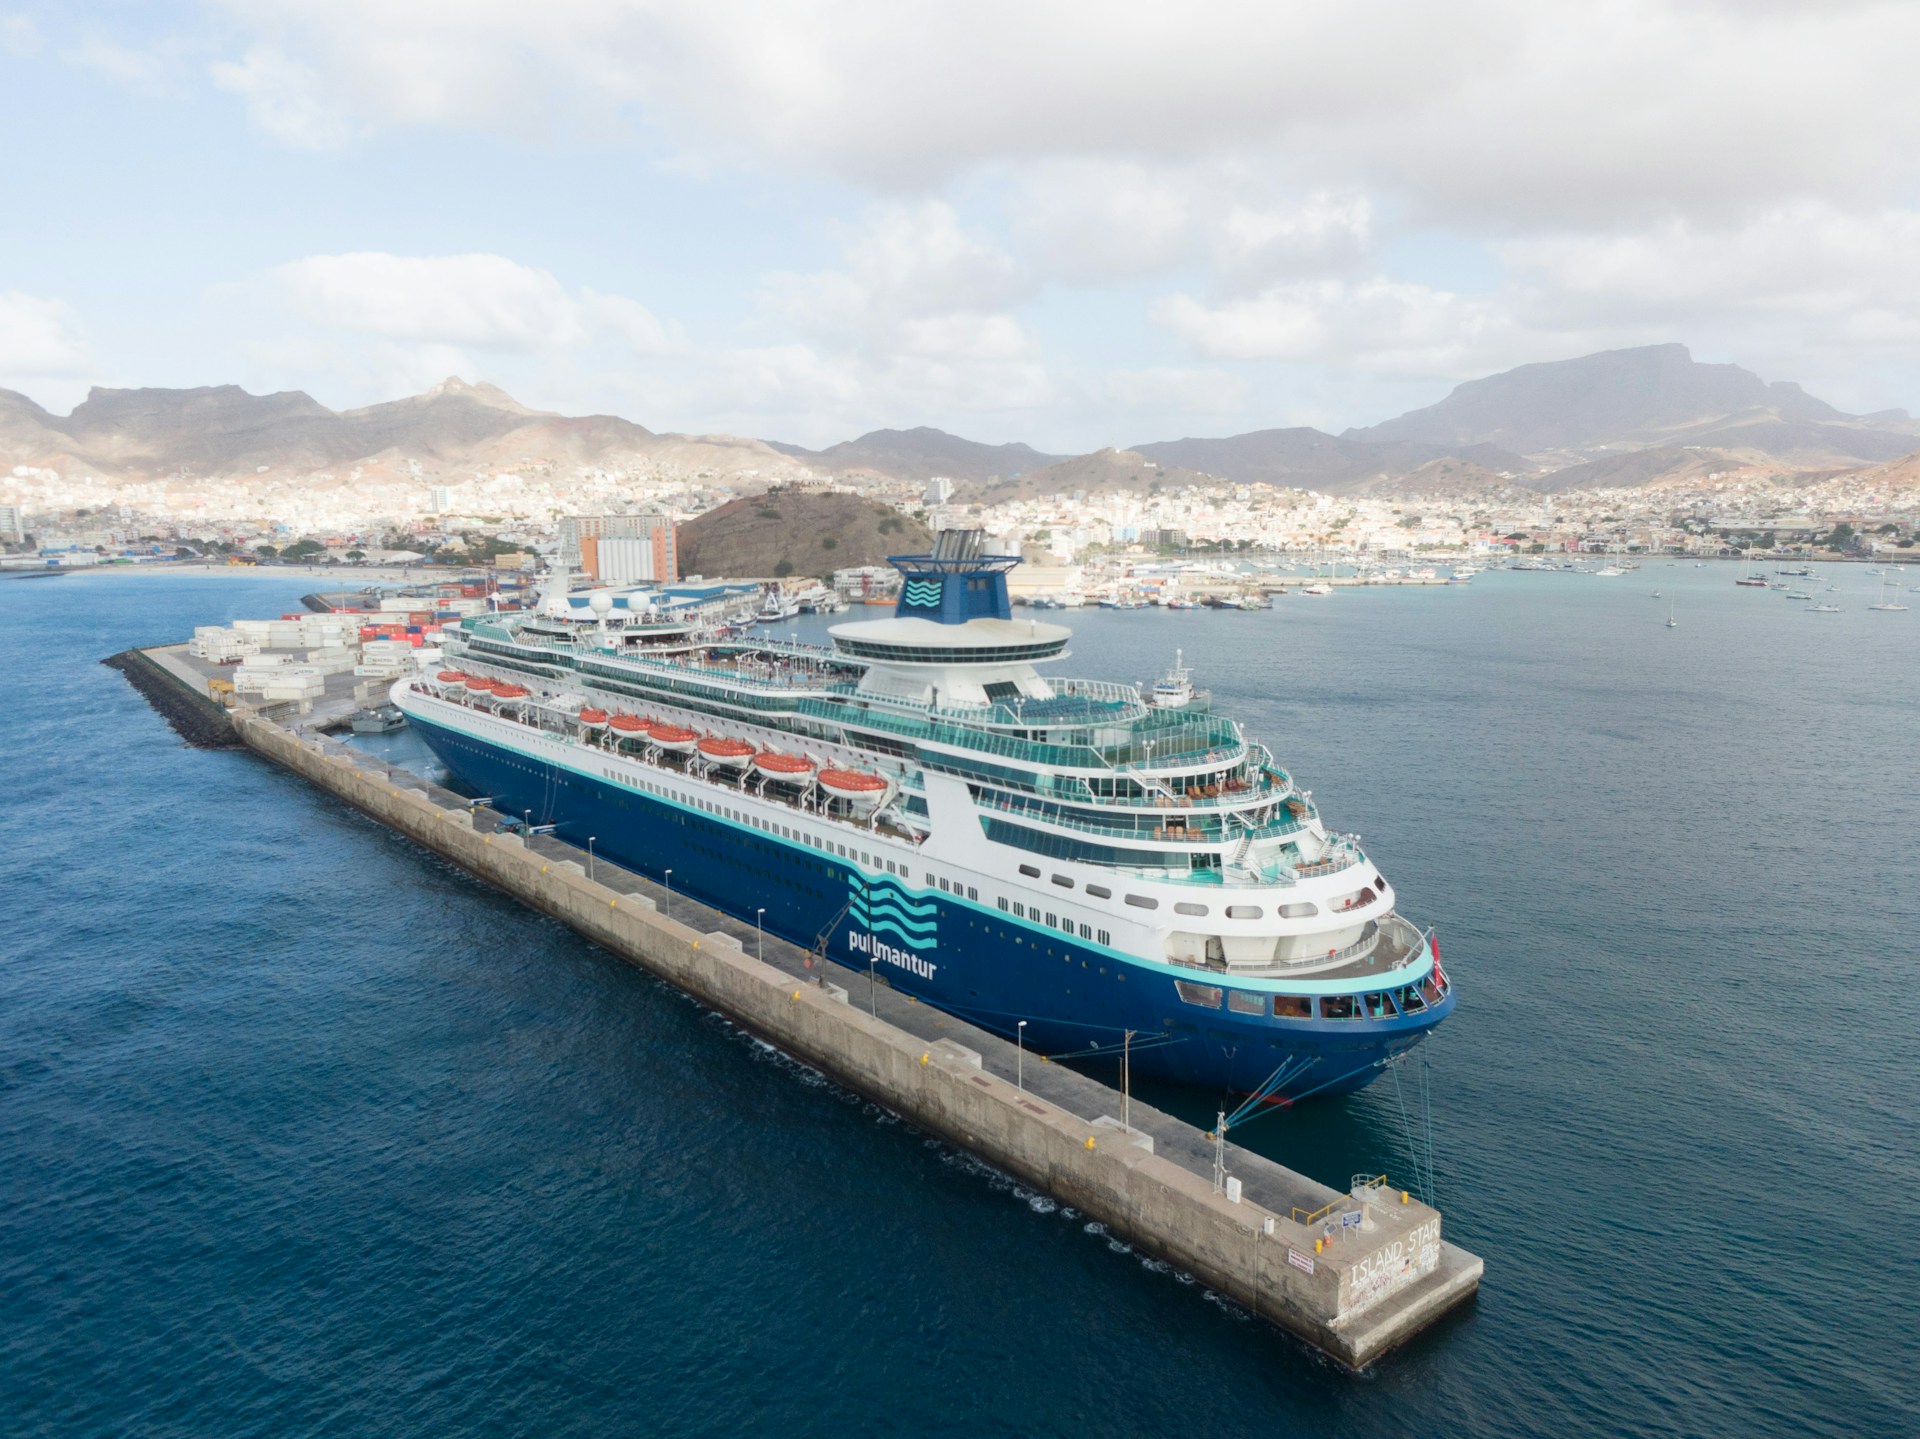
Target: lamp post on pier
<point>1020,1056</point>
<point>590,840</point>
<point>667,908</point>
<point>760,934</point>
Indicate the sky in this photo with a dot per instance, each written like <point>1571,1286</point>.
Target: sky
<point>1071,224</point>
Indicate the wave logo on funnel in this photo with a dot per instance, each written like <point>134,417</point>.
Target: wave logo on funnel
<point>923,594</point>
<point>880,906</point>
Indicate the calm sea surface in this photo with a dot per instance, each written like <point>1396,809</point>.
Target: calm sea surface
<point>303,1131</point>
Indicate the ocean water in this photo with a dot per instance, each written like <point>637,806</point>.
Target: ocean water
<point>303,1131</point>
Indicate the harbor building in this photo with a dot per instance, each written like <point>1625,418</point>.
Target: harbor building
<point>622,549</point>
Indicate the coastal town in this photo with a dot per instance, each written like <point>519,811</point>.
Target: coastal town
<point>506,519</point>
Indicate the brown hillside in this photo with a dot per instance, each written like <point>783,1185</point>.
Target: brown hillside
<point>793,532</point>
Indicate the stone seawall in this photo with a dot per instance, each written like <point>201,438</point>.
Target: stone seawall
<point>1354,1301</point>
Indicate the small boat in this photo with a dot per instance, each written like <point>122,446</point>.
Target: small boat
<point>626,726</point>
<point>1608,572</point>
<point>733,753</point>
<point>1753,583</point>
<point>451,677</point>
<point>672,737</point>
<point>1798,595</point>
<point>775,765</point>
<point>479,684</point>
<point>378,719</point>
<point>1174,689</point>
<point>862,790</point>
<point>593,720</point>
<point>1317,590</point>
<point>1823,609</point>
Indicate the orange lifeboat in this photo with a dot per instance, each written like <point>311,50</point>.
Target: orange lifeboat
<point>628,726</point>
<point>452,677</point>
<point>479,684</point>
<point>730,752</point>
<point>511,692</point>
<point>593,719</point>
<point>859,788</point>
<point>775,765</point>
<point>673,737</point>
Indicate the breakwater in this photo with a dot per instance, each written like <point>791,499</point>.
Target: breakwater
<point>1353,1273</point>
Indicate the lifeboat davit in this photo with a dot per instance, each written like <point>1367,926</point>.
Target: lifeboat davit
<point>857,787</point>
<point>673,737</point>
<point>730,752</point>
<point>593,719</point>
<point>775,765</point>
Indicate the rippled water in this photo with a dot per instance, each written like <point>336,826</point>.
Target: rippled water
<point>303,1131</point>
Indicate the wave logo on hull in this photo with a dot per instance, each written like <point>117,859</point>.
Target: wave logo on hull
<point>879,906</point>
<point>882,906</point>
<point>923,594</point>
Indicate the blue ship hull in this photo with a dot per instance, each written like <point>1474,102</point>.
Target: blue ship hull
<point>978,963</point>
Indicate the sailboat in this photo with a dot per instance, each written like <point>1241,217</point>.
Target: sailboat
<point>1889,600</point>
<point>1672,623</point>
<point>1747,576</point>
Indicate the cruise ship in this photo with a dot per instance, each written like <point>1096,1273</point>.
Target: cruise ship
<point>1089,867</point>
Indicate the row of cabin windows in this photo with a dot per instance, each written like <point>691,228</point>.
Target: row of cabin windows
<point>1385,1004</point>
<point>1054,921</point>
<point>1299,910</point>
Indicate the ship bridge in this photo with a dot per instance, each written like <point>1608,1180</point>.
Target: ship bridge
<point>952,640</point>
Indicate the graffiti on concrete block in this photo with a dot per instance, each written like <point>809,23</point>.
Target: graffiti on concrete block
<point>1393,1266</point>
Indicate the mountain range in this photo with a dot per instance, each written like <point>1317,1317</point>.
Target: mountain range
<point>1616,419</point>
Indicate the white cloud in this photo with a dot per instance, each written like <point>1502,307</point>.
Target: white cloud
<point>1376,325</point>
<point>39,338</point>
<point>285,98</point>
<point>1484,111</point>
<point>19,35</point>
<point>486,301</point>
<point>1091,220</point>
<point>902,264</point>
<point>1323,233</point>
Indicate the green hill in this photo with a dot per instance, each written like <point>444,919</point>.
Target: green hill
<point>794,532</point>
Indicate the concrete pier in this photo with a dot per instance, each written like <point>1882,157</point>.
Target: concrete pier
<point>1353,1274</point>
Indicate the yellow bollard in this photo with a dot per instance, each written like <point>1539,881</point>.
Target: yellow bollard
<point>1318,1245</point>
<point>1403,1196</point>
<point>925,1057</point>
<point>1089,1141</point>
<point>796,996</point>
